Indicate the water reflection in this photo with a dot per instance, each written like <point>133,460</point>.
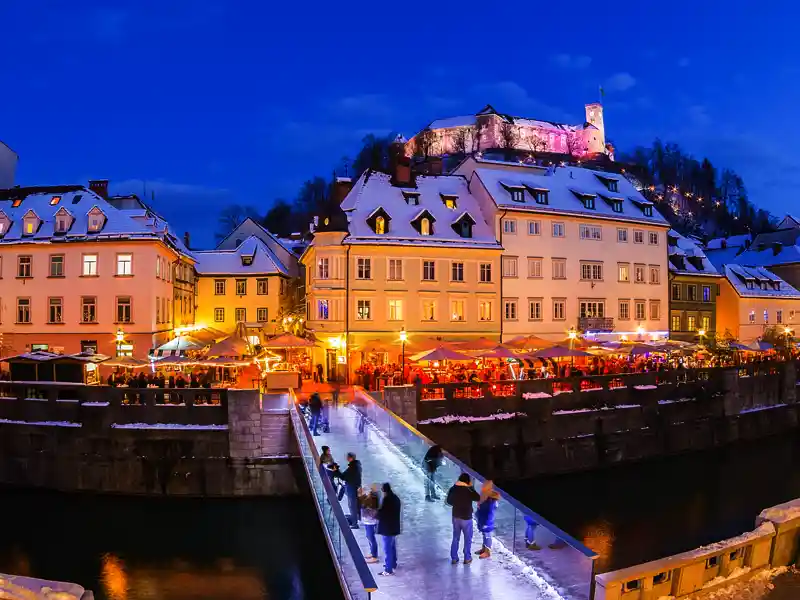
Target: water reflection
<point>635,513</point>
<point>169,549</point>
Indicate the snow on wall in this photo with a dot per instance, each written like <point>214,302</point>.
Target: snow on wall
<point>782,512</point>
<point>460,419</point>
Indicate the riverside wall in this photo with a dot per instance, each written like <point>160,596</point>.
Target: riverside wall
<point>90,438</point>
<point>517,430</point>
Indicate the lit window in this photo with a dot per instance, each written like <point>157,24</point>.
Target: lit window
<point>624,272</point>
<point>484,310</point>
<point>262,315</point>
<point>450,201</point>
<point>691,322</point>
<point>124,264</point>
<point>89,265</point>
<point>380,225</point>
<point>219,287</point>
<point>323,310</point>
<point>323,268</point>
<point>752,316</point>
<point>55,200</point>
<point>425,226</point>
<point>457,310</point>
<point>124,309</point>
<point>16,202</point>
<point>96,220</point>
<point>706,323</point>
<point>590,309</point>
<point>395,310</point>
<point>429,310</point>
<point>675,323</point>
<point>219,315</point>
<point>364,310</point>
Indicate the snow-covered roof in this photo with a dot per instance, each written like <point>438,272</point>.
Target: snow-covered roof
<point>686,257</point>
<point>45,202</point>
<point>262,261</point>
<point>734,241</point>
<point>789,221</point>
<point>758,282</point>
<point>374,190</point>
<point>563,184</point>
<point>780,247</point>
<point>449,122</point>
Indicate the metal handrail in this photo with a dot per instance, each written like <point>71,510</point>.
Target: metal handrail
<point>360,563</point>
<point>561,534</point>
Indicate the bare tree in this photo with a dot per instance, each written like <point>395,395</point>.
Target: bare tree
<point>536,144</point>
<point>576,146</point>
<point>460,139</point>
<point>231,217</point>
<point>509,136</point>
<point>425,142</point>
<point>476,132</point>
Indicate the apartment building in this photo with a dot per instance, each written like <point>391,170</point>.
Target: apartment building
<point>406,253</point>
<point>78,273</point>
<point>693,290</point>
<point>582,250</point>
<point>247,284</point>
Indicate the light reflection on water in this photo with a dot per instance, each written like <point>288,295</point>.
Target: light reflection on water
<point>169,549</point>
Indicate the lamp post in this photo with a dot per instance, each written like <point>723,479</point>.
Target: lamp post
<point>403,338</point>
<point>702,334</point>
<point>120,337</point>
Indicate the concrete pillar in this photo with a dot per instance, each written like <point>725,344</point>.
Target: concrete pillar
<point>733,397</point>
<point>244,423</point>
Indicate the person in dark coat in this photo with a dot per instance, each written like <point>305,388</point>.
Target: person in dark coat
<point>180,382</point>
<point>431,462</point>
<point>389,528</point>
<point>315,407</point>
<point>487,507</point>
<point>141,380</point>
<point>460,497</point>
<point>352,482</point>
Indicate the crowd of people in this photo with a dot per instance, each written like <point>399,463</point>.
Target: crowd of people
<point>123,378</point>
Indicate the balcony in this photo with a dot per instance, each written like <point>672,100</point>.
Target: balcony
<point>596,324</point>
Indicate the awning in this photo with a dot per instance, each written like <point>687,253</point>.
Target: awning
<point>179,345</point>
<point>287,340</point>
<point>231,346</point>
<point>441,353</point>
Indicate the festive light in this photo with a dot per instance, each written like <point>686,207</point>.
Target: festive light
<point>640,330</point>
<point>701,332</point>
<point>403,335</point>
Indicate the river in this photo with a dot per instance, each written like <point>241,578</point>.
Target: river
<point>638,512</point>
<point>132,548</point>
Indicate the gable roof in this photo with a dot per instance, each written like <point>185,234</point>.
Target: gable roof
<point>563,185</point>
<point>264,230</point>
<point>374,189</point>
<point>229,262</point>
<point>686,257</point>
<point>739,275</point>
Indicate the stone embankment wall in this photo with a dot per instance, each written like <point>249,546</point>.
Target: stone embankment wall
<point>79,438</point>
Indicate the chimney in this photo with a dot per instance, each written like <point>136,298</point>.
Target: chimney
<point>341,187</point>
<point>99,187</point>
<point>435,165</point>
<point>186,239</point>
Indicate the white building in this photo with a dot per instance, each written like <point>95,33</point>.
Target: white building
<point>582,249</point>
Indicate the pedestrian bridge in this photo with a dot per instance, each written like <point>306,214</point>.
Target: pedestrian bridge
<point>391,450</point>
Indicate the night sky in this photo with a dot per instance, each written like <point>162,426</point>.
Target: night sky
<point>213,101</point>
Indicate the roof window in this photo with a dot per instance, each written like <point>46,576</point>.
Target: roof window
<point>412,198</point>
<point>55,200</point>
<point>450,201</point>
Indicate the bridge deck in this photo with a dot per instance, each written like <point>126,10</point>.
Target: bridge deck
<point>423,549</point>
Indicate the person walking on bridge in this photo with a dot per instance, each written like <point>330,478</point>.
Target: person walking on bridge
<point>431,462</point>
<point>487,506</point>
<point>315,407</point>
<point>460,497</point>
<point>352,482</point>
<point>389,528</point>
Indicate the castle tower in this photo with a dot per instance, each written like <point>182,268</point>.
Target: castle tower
<point>595,139</point>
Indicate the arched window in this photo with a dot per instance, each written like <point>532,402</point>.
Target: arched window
<point>380,225</point>
<point>425,226</point>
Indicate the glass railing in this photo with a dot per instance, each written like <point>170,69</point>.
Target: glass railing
<point>354,574</point>
<point>554,556</point>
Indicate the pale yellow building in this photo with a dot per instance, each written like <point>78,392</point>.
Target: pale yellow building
<point>408,253</point>
<point>582,250</point>
<point>247,284</point>
<point>753,299</point>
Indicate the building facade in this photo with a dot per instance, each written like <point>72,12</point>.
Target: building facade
<point>693,287</point>
<point>582,251</point>
<point>78,273</point>
<point>408,253</point>
<point>247,285</point>
<point>751,300</point>
<point>488,129</point>
<point>8,166</point>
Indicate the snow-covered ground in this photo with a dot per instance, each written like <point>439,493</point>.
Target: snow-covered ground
<point>782,583</point>
<point>423,549</point>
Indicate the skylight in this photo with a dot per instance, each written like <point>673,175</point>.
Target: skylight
<point>55,200</point>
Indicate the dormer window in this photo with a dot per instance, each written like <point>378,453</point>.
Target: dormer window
<point>77,198</point>
<point>247,260</point>
<point>611,183</point>
<point>586,199</point>
<point>423,223</point>
<point>540,195</point>
<point>30,223</point>
<point>463,225</point>
<point>750,285</point>
<point>648,211</point>
<point>5,223</point>
<point>412,198</point>
<point>96,220</point>
<point>518,195</point>
<point>55,200</point>
<point>379,221</point>
<point>63,221</point>
<point>450,201</point>
<point>776,286</point>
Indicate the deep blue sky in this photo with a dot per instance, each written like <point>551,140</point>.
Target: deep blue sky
<point>214,101</point>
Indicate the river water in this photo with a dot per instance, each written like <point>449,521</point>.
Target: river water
<point>130,548</point>
<point>634,513</point>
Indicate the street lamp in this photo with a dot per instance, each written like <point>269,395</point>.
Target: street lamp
<point>120,337</point>
<point>702,334</point>
<point>403,338</point>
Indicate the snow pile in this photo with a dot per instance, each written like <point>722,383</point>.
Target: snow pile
<point>557,392</point>
<point>735,574</point>
<point>168,426</point>
<point>535,395</point>
<point>586,410</point>
<point>462,419</point>
<point>645,387</point>
<point>46,423</point>
<point>594,389</point>
<point>782,512</point>
<point>744,538</point>
<point>758,587</point>
<point>677,401</point>
<point>95,404</point>
<point>744,411</point>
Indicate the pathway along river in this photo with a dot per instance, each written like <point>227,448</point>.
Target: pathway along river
<point>131,548</point>
<point>181,549</point>
<point>634,513</point>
